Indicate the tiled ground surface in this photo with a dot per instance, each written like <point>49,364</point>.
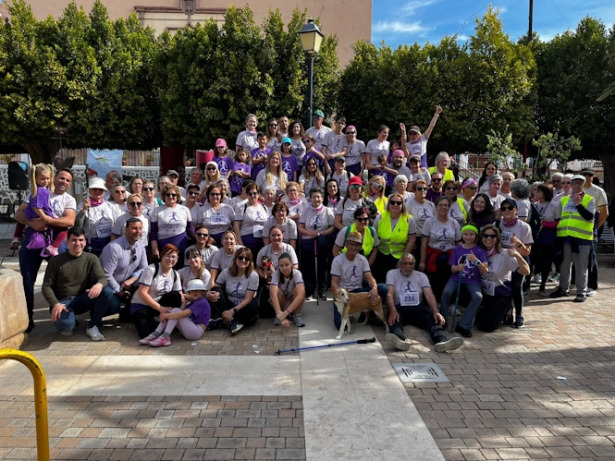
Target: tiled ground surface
<point>507,398</point>
<point>158,428</point>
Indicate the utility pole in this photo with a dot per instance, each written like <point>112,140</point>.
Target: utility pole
<point>530,32</point>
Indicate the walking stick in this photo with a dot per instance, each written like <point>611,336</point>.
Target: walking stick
<point>300,349</point>
<point>456,303</point>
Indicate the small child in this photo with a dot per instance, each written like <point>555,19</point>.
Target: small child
<point>289,162</point>
<point>222,159</point>
<point>241,171</point>
<point>39,206</point>
<point>259,155</point>
<point>191,320</point>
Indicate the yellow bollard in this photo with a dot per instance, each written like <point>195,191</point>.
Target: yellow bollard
<point>40,398</point>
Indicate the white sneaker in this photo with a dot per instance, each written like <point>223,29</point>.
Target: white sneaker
<point>590,293</point>
<point>538,279</point>
<point>94,334</point>
<point>396,342</point>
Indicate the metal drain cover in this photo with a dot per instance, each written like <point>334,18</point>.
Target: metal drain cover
<point>420,373</point>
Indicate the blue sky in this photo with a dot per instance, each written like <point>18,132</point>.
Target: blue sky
<point>399,22</point>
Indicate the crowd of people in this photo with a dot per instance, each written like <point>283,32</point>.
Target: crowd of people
<point>287,216</point>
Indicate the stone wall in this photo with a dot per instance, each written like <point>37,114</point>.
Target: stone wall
<point>13,310</point>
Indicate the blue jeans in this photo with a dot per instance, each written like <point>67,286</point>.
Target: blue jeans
<point>29,264</point>
<point>450,292</point>
<point>382,292</point>
<point>99,307</point>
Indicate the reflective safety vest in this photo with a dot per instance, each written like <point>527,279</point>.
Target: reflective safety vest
<point>368,239</point>
<point>572,224</point>
<point>448,175</point>
<point>463,209</point>
<point>395,239</point>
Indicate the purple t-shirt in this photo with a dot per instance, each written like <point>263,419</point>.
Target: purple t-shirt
<point>311,154</point>
<point>470,273</point>
<point>201,311</point>
<point>257,153</point>
<point>40,201</point>
<point>236,181</point>
<point>225,164</point>
<point>289,165</point>
<point>432,195</point>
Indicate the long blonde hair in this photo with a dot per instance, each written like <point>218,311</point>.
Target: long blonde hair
<point>280,173</point>
<point>38,169</point>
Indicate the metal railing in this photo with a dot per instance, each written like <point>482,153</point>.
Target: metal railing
<point>40,398</point>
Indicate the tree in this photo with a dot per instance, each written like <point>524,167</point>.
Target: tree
<point>84,73</point>
<point>553,148</point>
<point>503,152</point>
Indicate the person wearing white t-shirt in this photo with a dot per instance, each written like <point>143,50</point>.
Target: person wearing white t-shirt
<point>602,212</point>
<point>334,144</point>
<point>247,138</point>
<point>318,131</point>
<point>410,301</point>
<point>377,151</point>
<point>351,271</point>
<point>356,149</point>
<point>417,145</point>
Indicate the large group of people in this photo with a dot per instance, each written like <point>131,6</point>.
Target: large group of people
<point>288,215</point>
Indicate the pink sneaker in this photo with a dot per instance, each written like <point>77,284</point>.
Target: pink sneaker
<point>51,251</point>
<point>145,341</point>
<point>160,341</point>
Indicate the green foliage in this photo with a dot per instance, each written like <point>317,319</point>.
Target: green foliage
<point>503,153</point>
<point>552,147</point>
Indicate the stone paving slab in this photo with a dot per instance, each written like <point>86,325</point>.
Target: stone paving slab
<point>158,428</point>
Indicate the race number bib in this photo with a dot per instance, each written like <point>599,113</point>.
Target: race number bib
<point>409,298</point>
<point>488,287</point>
<point>257,231</point>
<point>219,219</point>
<point>506,236</point>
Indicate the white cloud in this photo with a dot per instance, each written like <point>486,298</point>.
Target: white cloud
<point>413,5</point>
<point>501,9</point>
<point>397,27</point>
<point>462,38</point>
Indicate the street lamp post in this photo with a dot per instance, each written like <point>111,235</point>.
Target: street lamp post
<point>311,39</point>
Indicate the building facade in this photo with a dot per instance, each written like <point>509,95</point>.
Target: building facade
<point>349,20</point>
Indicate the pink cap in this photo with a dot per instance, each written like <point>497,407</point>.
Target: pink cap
<point>220,142</point>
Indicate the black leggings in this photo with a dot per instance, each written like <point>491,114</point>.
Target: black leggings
<point>246,315</point>
<point>491,315</point>
<point>145,318</point>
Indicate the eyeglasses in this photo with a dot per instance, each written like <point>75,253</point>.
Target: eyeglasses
<point>253,194</point>
<point>137,204</point>
<point>120,191</point>
<point>395,202</point>
<point>362,219</point>
<point>489,236</point>
<point>351,132</point>
<point>193,193</point>
<point>507,208</point>
<point>171,195</point>
<point>436,179</point>
<point>170,257</point>
<point>420,189</point>
<point>451,188</point>
<point>133,254</point>
<point>202,235</point>
<point>377,185</point>
<point>564,182</point>
<point>211,168</point>
<point>243,258</point>
<point>214,194</point>
<point>148,189</point>
<point>472,188</point>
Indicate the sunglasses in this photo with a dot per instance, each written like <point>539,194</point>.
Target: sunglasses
<point>211,168</point>
<point>566,183</point>
<point>472,188</point>
<point>193,193</point>
<point>133,254</point>
<point>351,132</point>
<point>171,195</point>
<point>137,204</point>
<point>420,189</point>
<point>243,258</point>
<point>120,191</point>
<point>148,189</point>
<point>507,208</point>
<point>451,188</point>
<point>489,236</point>
<point>273,125</point>
<point>362,219</point>
<point>375,184</point>
<point>202,235</point>
<point>354,186</point>
<point>215,194</point>
<point>395,202</point>
<point>436,179</point>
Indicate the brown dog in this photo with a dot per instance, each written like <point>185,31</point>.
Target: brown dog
<point>353,303</point>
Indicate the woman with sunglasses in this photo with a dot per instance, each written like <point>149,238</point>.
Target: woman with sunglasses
<point>401,187</point>
<point>356,148</point>
<point>212,176</point>
<point>496,284</point>
<point>344,213</point>
<point>159,290</point>
<point>217,216</point>
<point>192,196</point>
<point>135,204</point>
<point>274,138</point>
<point>203,245</point>
<point>223,258</point>
<point>247,138</point>
<point>172,224</point>
<point>377,151</point>
<point>440,236</point>
<point>316,225</point>
<point>250,220</point>
<point>518,235</point>
<point>374,191</point>
<point>149,198</point>
<point>279,217</point>
<point>481,211</point>
<point>311,177</point>
<point>273,174</point>
<point>489,170</point>
<point>396,229</point>
<point>459,207</point>
<point>369,236</point>
<point>237,286</point>
<point>297,132</point>
<point>296,203</point>
<point>420,208</point>
<point>468,190</point>
<point>117,197</point>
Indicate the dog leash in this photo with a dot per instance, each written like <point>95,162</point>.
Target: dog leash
<point>300,349</point>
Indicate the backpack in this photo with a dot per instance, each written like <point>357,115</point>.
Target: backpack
<point>534,220</point>
<point>157,267</point>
